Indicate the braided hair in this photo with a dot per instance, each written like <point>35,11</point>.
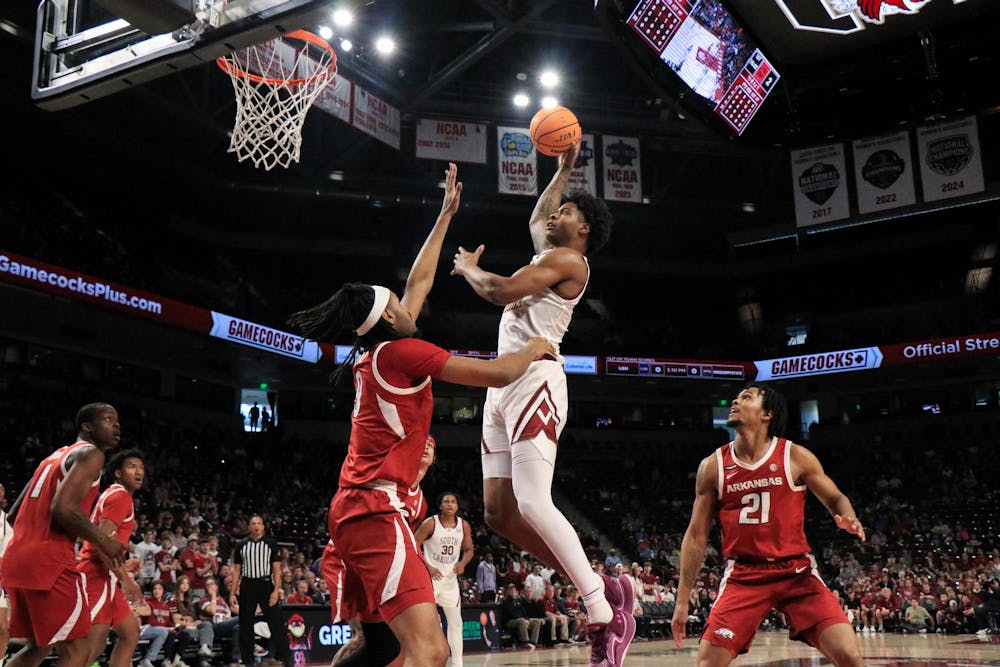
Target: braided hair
<point>345,311</point>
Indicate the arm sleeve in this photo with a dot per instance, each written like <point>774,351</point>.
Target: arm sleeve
<point>405,362</point>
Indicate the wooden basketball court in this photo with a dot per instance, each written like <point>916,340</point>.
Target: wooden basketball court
<point>772,649</point>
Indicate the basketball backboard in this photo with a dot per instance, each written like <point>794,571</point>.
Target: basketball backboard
<point>85,49</point>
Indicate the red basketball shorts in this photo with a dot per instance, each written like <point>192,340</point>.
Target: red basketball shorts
<point>384,570</point>
<point>58,614</point>
<point>108,605</point>
<point>747,592</point>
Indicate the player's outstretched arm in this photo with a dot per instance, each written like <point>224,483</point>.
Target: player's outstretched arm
<point>694,543</point>
<point>86,467</point>
<point>551,197</point>
<point>557,266</point>
<point>421,277</point>
<point>497,372</point>
<point>807,468</point>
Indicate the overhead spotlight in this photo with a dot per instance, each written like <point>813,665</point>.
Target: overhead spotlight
<point>549,79</point>
<point>749,207</point>
<point>343,18</point>
<point>346,45</point>
<point>549,102</point>
<point>385,45</point>
<point>336,176</point>
<point>521,100</point>
<point>325,32</point>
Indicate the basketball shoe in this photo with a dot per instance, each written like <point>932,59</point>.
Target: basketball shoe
<point>610,642</point>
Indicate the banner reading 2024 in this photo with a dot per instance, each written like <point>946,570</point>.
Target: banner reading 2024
<point>951,162</point>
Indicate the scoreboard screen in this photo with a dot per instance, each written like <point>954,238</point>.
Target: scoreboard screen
<point>675,368</point>
<point>703,44</point>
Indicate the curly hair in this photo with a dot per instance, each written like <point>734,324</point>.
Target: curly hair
<point>595,212</point>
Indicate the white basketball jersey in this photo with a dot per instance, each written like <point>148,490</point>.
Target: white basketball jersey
<point>544,314</point>
<point>444,547</point>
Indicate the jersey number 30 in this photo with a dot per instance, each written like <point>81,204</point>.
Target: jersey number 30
<point>754,503</point>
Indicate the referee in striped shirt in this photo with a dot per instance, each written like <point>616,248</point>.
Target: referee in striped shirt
<point>257,581</point>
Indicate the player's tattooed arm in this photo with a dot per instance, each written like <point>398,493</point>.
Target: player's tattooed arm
<point>551,197</point>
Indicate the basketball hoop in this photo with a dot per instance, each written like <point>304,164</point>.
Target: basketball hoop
<point>276,83</point>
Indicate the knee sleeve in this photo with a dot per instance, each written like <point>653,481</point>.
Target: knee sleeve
<point>381,644</point>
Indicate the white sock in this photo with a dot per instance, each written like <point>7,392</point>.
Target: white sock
<point>532,464</point>
<point>454,617</point>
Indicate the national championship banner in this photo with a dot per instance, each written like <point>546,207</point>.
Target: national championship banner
<point>951,162</point>
<point>517,162</point>
<point>584,173</point>
<point>451,141</point>
<point>821,363</point>
<point>883,173</point>
<point>819,180</point>
<point>336,98</point>
<point>622,171</point>
<point>373,115</point>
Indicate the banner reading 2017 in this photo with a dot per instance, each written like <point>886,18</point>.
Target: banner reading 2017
<point>819,181</point>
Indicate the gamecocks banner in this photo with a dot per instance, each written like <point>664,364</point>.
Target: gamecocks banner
<point>584,174</point>
<point>622,172</point>
<point>517,164</point>
<point>452,141</point>
<point>950,159</point>
<point>883,173</point>
<point>819,180</point>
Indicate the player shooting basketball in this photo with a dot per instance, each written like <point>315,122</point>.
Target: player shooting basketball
<point>522,422</point>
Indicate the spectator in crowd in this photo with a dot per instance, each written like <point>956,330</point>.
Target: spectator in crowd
<point>486,579</point>
<point>950,620</point>
<point>160,618</point>
<point>322,594</point>
<point>187,617</point>
<point>301,593</point>
<point>611,559</point>
<point>916,619</point>
<point>516,619</point>
<point>167,566</point>
<point>649,581</point>
<point>191,562</point>
<point>576,613</point>
<point>557,622</point>
<point>534,584</point>
<point>146,552</point>
<point>224,619</point>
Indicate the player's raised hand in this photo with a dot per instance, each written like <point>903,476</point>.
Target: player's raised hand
<point>465,260</point>
<point>678,624</point>
<point>568,157</point>
<point>851,525</point>
<point>452,190</point>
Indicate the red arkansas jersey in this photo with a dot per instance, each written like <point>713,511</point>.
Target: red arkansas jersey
<point>392,412</point>
<point>40,550</point>
<point>761,510</point>
<point>115,505</point>
<point>416,507</point>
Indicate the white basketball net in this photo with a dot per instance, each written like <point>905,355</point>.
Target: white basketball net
<point>275,84</point>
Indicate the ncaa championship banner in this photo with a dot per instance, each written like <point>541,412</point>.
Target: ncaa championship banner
<point>336,98</point>
<point>819,182</point>
<point>451,141</point>
<point>622,171</point>
<point>584,173</point>
<point>517,162</point>
<point>883,173</point>
<point>373,115</point>
<point>951,162</point>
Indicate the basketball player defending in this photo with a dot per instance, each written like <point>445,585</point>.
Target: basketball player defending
<point>114,515</point>
<point>758,484</point>
<point>383,650</point>
<point>393,406</point>
<point>522,422</point>
<point>48,597</point>
<point>446,539</point>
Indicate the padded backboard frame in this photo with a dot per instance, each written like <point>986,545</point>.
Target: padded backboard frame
<point>74,66</point>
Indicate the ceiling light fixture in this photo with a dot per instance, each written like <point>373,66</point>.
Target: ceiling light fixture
<point>549,102</point>
<point>343,18</point>
<point>385,45</point>
<point>521,100</point>
<point>549,79</point>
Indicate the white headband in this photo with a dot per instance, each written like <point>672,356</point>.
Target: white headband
<point>381,301</point>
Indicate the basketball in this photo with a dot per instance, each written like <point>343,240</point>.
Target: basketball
<point>554,130</point>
